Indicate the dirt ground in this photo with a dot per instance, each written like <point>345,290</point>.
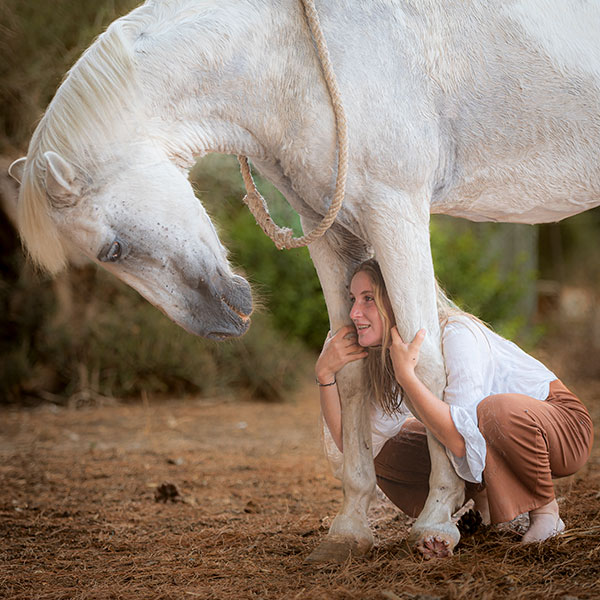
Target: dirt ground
<point>85,512</point>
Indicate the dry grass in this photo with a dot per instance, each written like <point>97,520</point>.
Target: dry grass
<point>79,518</point>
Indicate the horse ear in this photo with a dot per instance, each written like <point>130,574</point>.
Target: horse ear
<point>16,169</point>
<point>62,185</point>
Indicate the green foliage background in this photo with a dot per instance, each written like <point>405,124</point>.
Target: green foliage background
<point>114,343</point>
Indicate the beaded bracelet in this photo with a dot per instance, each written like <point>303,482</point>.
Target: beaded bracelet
<point>325,384</point>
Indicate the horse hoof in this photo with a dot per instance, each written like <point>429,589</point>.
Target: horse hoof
<point>335,550</point>
<point>434,547</point>
<point>435,542</point>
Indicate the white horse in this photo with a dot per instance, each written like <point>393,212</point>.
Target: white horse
<point>483,110</point>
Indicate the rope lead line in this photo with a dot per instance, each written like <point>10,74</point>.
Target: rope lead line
<point>283,237</point>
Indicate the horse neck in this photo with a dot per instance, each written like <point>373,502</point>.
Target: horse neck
<point>244,83</point>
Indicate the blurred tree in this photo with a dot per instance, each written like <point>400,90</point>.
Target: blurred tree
<point>39,42</point>
<point>569,251</point>
<point>489,269</point>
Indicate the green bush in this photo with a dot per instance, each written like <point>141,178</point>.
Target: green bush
<point>40,41</point>
<point>483,276</point>
<point>113,343</point>
<point>128,347</point>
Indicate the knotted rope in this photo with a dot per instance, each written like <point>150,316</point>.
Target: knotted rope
<point>283,236</point>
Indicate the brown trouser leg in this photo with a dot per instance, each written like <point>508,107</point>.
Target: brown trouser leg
<point>403,466</point>
<point>528,443</point>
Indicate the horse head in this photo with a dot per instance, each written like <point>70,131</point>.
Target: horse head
<point>119,218</point>
<point>105,170</point>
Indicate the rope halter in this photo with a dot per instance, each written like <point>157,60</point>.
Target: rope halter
<point>283,236</point>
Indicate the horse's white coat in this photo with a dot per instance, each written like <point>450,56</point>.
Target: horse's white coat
<point>489,111</point>
<point>563,30</point>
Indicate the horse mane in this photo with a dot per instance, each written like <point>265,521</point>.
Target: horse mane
<point>99,93</point>
<point>81,115</point>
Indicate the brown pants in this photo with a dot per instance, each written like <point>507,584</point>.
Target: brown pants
<point>528,443</point>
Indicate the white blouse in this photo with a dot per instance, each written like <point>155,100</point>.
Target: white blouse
<point>479,363</point>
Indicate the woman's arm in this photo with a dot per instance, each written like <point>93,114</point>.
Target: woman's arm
<point>332,413</point>
<point>338,351</point>
<point>434,413</point>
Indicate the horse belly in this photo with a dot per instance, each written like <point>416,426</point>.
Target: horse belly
<point>524,130</point>
<point>496,208</point>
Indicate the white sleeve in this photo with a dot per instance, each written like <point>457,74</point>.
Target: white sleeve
<point>384,427</point>
<point>469,371</point>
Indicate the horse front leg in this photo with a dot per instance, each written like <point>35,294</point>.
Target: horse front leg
<point>350,531</point>
<point>434,534</point>
<point>407,268</point>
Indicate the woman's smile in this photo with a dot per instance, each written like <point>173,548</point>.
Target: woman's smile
<point>364,312</point>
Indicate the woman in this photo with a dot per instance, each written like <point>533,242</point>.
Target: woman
<point>508,424</point>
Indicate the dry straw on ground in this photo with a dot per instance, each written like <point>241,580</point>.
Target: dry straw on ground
<point>245,497</point>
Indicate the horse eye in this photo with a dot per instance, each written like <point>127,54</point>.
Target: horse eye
<point>114,252</point>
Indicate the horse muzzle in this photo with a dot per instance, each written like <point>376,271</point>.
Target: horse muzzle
<point>231,315</point>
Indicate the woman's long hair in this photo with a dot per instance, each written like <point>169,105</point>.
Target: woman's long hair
<point>379,369</point>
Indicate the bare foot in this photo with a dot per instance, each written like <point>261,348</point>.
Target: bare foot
<point>434,547</point>
<point>544,523</point>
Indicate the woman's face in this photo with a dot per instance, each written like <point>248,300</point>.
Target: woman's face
<point>364,312</point>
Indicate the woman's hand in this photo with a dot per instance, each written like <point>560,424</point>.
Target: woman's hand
<point>338,350</point>
<point>433,412</point>
<point>405,356</point>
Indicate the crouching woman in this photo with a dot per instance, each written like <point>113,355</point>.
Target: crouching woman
<point>508,424</point>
